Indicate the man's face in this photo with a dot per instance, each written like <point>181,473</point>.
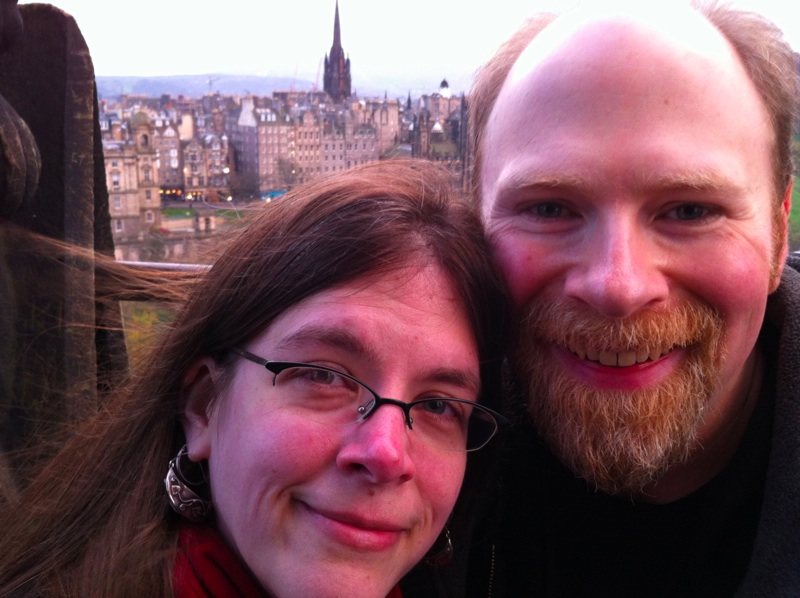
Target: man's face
<point>627,189</point>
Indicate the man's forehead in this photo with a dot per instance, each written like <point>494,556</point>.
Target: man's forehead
<point>603,71</point>
<point>585,33</point>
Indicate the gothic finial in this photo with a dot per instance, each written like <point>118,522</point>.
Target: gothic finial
<point>337,38</point>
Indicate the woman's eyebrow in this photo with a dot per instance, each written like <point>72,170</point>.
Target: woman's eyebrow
<point>333,336</point>
<point>343,339</point>
<point>457,377</point>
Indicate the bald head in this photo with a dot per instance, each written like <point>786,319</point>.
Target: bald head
<point>606,72</point>
<point>585,33</point>
<point>738,41</point>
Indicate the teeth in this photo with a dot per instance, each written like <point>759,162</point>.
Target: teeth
<point>608,358</point>
<point>642,355</point>
<point>621,359</point>
<point>627,358</point>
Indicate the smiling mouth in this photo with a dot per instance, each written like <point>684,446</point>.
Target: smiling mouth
<point>621,358</point>
<point>362,523</point>
<point>362,534</point>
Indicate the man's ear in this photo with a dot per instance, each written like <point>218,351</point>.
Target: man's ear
<point>779,259</point>
<point>197,394</point>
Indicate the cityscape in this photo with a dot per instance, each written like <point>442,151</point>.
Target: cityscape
<point>176,167</point>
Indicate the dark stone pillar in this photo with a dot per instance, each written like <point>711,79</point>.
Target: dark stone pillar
<point>53,354</point>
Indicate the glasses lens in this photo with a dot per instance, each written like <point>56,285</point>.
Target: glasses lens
<point>452,424</point>
<point>330,397</point>
<point>322,394</point>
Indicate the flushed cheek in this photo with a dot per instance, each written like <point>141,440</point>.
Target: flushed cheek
<point>522,271</point>
<point>252,475</point>
<point>736,288</point>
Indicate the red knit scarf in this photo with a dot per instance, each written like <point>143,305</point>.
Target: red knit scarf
<point>206,568</point>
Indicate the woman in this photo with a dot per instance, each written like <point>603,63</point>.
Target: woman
<point>314,398</point>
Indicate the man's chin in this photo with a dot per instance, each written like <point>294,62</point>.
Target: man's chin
<point>620,442</point>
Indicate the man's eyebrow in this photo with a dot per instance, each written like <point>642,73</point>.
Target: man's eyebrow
<point>522,181</point>
<point>690,179</point>
<point>695,180</point>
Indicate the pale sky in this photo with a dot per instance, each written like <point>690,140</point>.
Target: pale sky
<point>401,40</point>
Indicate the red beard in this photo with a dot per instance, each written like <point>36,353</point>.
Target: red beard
<point>620,441</point>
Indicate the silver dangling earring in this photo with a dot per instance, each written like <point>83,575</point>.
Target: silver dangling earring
<point>441,553</point>
<point>182,491</point>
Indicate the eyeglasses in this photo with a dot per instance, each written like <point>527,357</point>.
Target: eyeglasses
<point>329,396</point>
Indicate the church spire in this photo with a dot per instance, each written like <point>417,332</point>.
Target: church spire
<point>337,36</point>
<point>337,66</point>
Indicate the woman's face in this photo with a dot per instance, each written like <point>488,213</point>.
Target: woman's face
<point>316,509</point>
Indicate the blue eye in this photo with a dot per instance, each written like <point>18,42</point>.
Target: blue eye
<point>549,210</point>
<point>689,211</point>
<point>437,406</point>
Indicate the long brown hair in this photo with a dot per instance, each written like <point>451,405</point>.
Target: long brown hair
<point>95,522</point>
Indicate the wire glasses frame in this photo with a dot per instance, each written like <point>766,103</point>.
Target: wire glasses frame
<point>334,397</point>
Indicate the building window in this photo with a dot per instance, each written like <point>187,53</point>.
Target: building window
<point>117,202</point>
<point>115,180</point>
<point>119,226</point>
<point>146,175</point>
<point>148,195</point>
<point>148,216</point>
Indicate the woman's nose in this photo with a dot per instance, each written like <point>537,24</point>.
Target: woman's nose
<point>379,446</point>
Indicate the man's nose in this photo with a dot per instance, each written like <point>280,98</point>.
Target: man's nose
<point>379,446</point>
<point>618,269</point>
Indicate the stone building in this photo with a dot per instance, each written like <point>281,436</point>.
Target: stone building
<point>206,168</point>
<point>170,158</point>
<point>384,117</point>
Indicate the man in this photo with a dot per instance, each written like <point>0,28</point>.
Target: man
<point>634,175</point>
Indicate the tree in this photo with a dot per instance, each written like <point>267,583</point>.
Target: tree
<point>243,185</point>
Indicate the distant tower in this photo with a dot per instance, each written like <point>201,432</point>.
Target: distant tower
<point>337,67</point>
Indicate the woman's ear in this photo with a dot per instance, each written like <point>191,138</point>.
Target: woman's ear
<point>197,394</point>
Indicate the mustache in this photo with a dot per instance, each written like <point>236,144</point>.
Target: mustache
<point>657,331</point>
